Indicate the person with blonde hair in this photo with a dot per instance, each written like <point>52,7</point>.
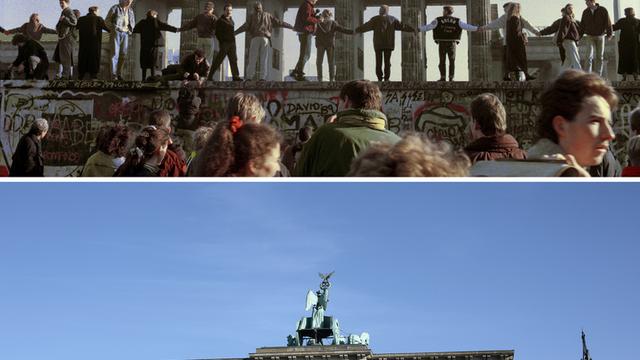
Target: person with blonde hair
<point>413,156</point>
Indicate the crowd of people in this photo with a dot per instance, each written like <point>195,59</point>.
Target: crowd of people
<point>574,127</point>
<point>217,41</point>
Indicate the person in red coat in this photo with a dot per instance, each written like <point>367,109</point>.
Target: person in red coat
<point>305,26</point>
<point>633,150</point>
<point>489,132</point>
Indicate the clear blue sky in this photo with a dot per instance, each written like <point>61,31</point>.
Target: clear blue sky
<point>538,12</point>
<point>180,271</point>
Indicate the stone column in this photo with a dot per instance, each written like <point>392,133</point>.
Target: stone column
<point>349,48</point>
<point>277,8</point>
<point>189,39</point>
<point>479,13</point>
<point>413,45</point>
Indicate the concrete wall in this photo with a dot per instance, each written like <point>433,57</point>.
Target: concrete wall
<point>77,109</point>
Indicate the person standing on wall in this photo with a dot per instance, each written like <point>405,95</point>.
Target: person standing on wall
<point>568,37</point>
<point>384,27</point>
<point>447,31</point>
<point>66,42</point>
<point>553,29</point>
<point>90,29</point>
<point>501,24</point>
<point>205,25</point>
<point>120,19</point>
<point>595,24</point>
<point>150,30</point>
<point>629,45</point>
<point>32,29</point>
<point>259,26</point>
<point>224,32</point>
<point>326,43</point>
<point>305,26</point>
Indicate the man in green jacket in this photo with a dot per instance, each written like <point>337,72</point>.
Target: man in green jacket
<point>334,146</point>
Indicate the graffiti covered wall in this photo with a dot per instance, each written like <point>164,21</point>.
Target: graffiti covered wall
<point>77,109</point>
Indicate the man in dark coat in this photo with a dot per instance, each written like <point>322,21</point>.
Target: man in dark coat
<point>629,44</point>
<point>553,29</point>
<point>596,25</point>
<point>326,42</point>
<point>384,27</point>
<point>90,29</point>
<point>32,58</point>
<point>150,40</point>
<point>489,132</point>
<point>225,33</point>
<point>305,26</point>
<point>27,159</point>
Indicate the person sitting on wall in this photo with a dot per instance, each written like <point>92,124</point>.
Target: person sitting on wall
<point>194,66</point>
<point>32,59</point>
<point>633,151</point>
<point>359,123</point>
<point>28,160</point>
<point>384,27</point>
<point>447,31</point>
<point>489,132</point>
<point>150,30</point>
<point>32,29</point>
<point>413,156</point>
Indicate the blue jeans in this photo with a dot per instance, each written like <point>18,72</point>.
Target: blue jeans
<point>119,48</point>
<point>596,61</point>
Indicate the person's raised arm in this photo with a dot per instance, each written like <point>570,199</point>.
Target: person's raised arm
<point>430,26</point>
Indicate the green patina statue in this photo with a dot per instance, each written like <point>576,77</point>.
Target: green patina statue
<point>313,330</point>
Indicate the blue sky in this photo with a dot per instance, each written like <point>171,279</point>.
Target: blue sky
<point>538,12</point>
<point>183,271</point>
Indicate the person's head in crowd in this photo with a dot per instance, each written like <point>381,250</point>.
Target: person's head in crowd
<point>125,3</point>
<point>384,10</point>
<point>576,114</point>
<point>447,10</point>
<point>34,19</point>
<point>413,156</point>
<point>506,6</point>
<point>162,119</point>
<point>19,40</point>
<point>629,12</point>
<point>514,10</point>
<point>39,128</point>
<point>240,149</point>
<point>591,4</point>
<point>257,7</point>
<point>326,14</point>
<point>201,136</point>
<point>64,4</point>
<point>228,10</point>
<point>488,116</point>
<point>633,150</point>
<point>94,10</point>
<point>634,119</point>
<point>361,94</point>
<point>77,13</point>
<point>209,6</point>
<point>568,10</point>
<point>198,55</point>
<point>151,146</point>
<point>245,106</point>
<point>152,14</point>
<point>113,140</point>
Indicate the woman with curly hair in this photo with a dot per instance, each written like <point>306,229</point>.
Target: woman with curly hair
<point>145,158</point>
<point>112,143</point>
<point>413,156</point>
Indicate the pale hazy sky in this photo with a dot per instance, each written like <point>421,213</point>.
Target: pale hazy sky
<point>538,12</point>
